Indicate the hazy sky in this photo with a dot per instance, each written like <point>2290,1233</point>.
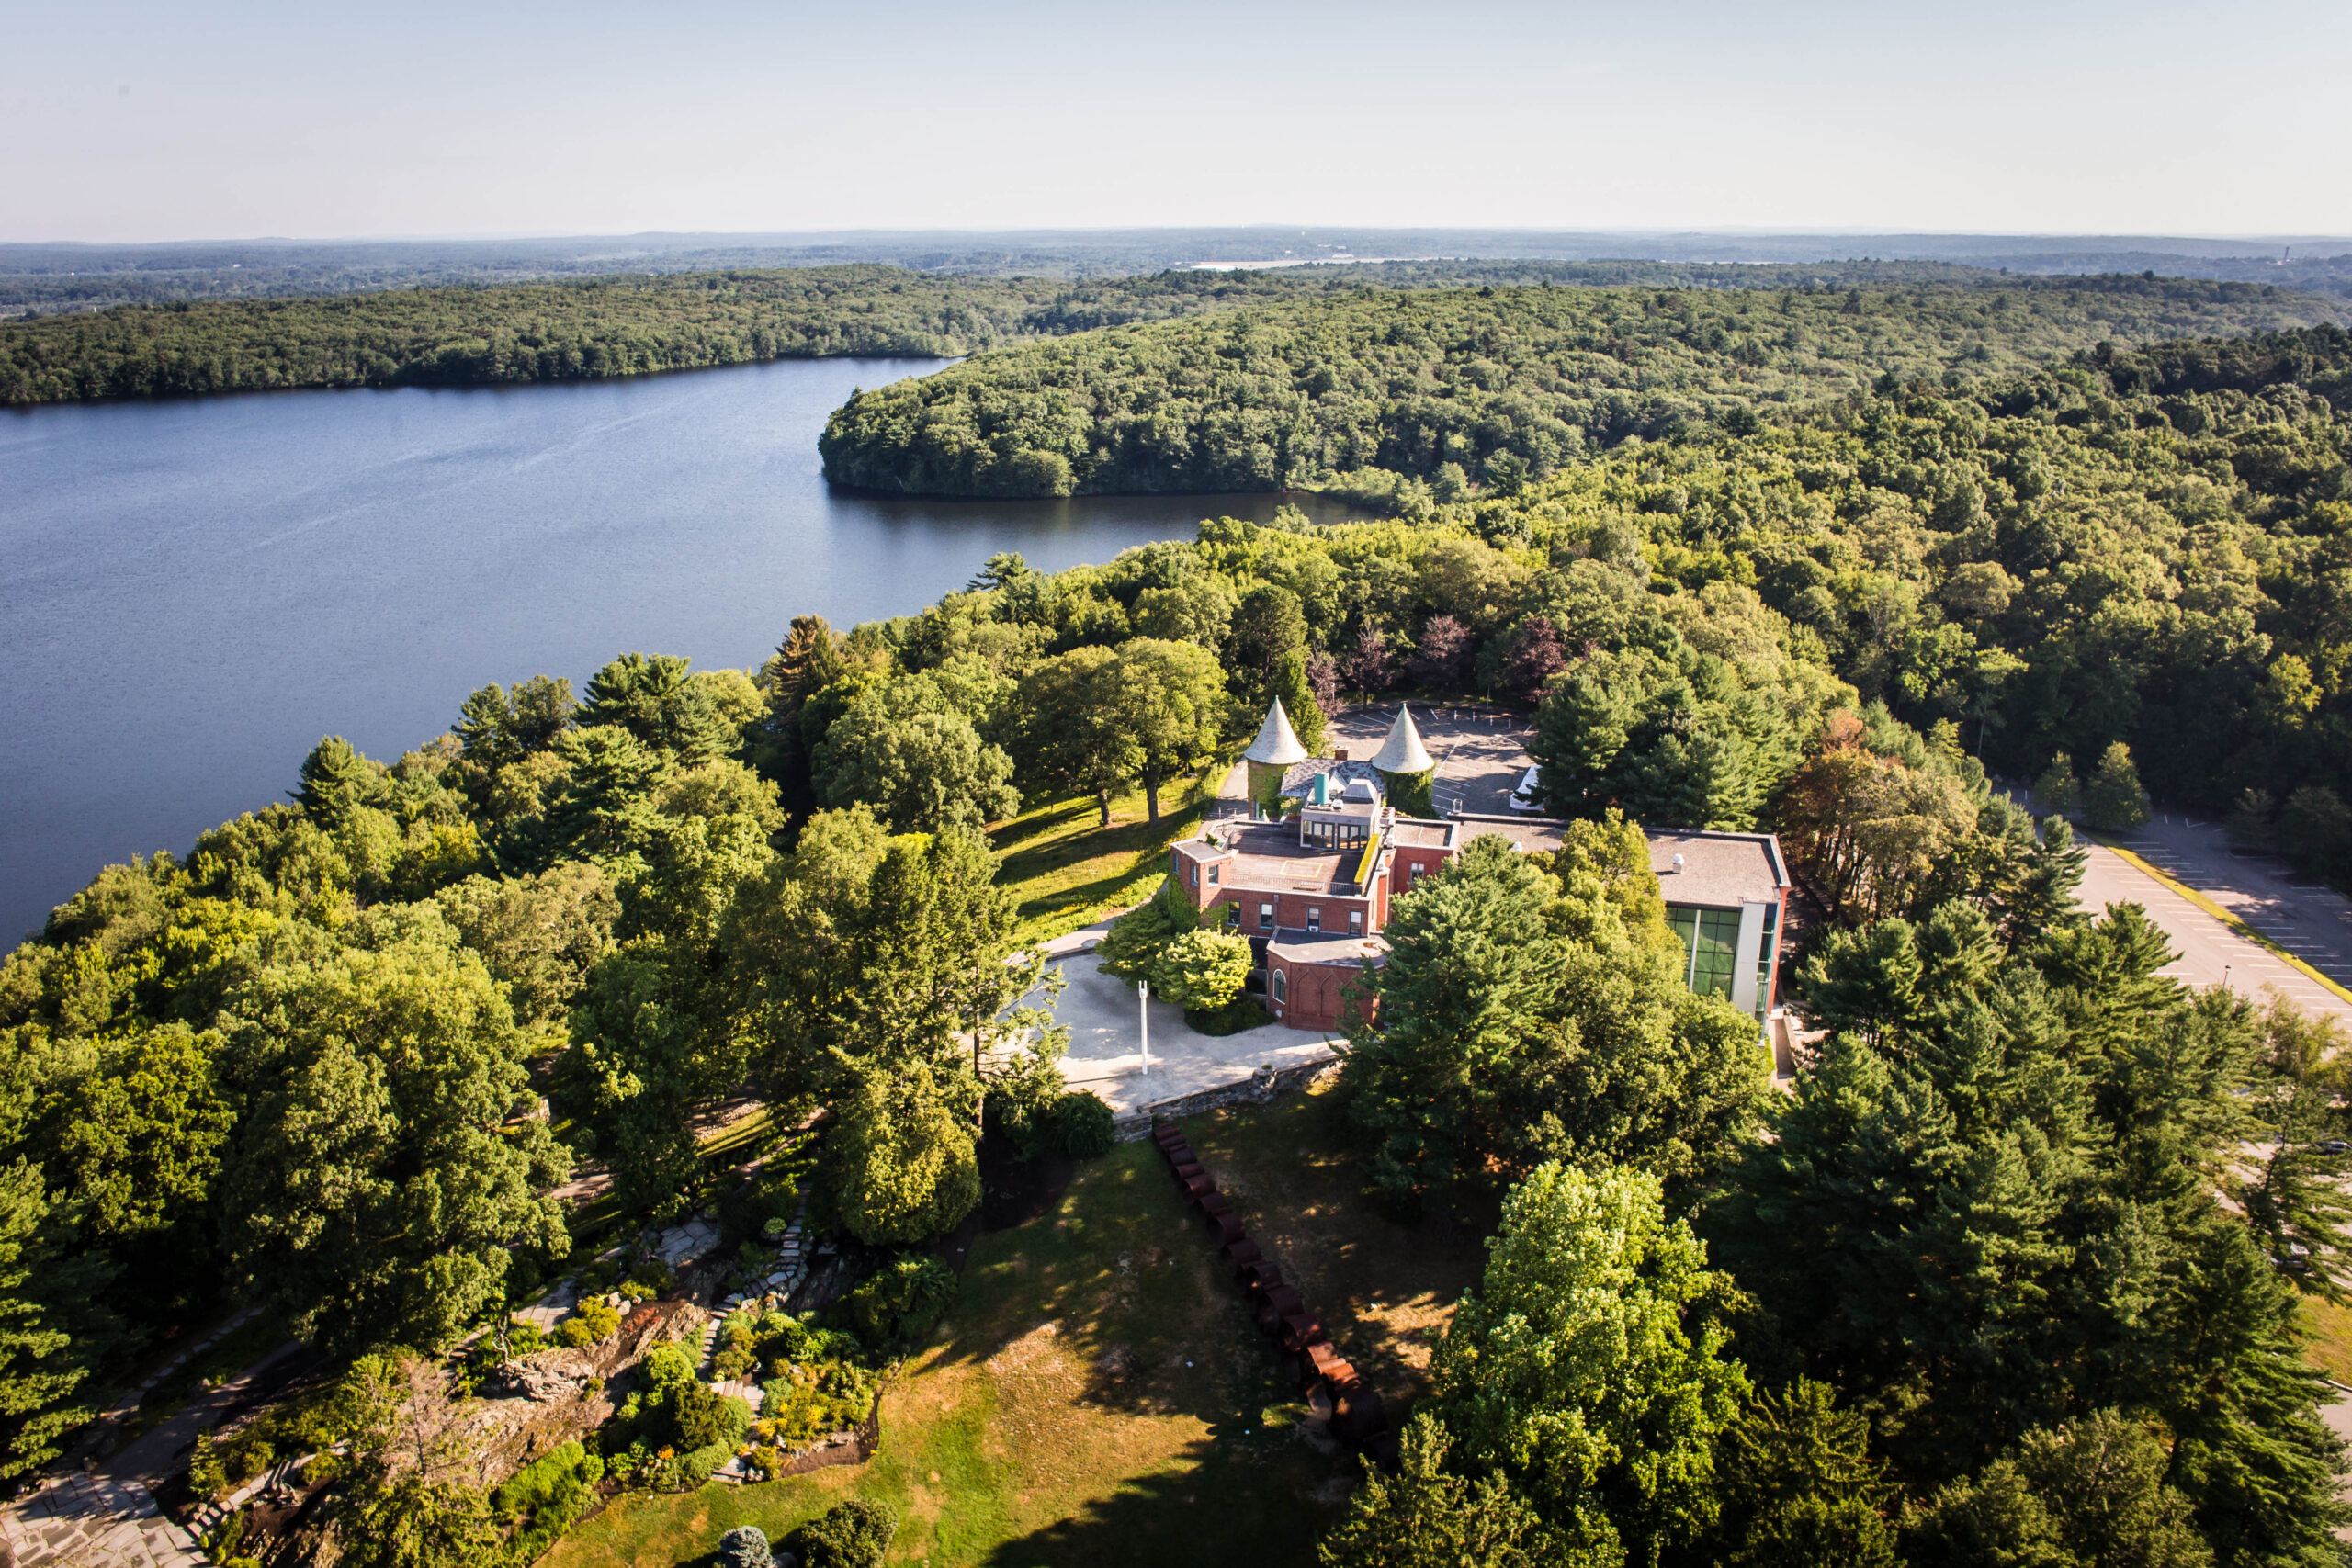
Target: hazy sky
<point>172,121</point>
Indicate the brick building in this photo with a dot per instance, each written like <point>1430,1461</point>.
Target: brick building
<point>1312,891</point>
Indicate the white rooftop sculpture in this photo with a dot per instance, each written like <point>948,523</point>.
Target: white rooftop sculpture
<point>1277,744</point>
<point>1403,751</point>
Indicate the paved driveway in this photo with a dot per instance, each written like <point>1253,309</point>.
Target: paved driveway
<point>1104,1055</point>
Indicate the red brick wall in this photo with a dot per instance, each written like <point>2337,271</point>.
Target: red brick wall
<point>1316,994</point>
<point>1290,910</point>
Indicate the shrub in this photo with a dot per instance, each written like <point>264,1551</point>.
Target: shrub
<point>698,1465</point>
<point>1202,970</point>
<point>1131,948</point>
<point>1079,1125</point>
<point>591,1323</point>
<point>667,1366</point>
<point>556,1481</point>
<point>1242,1013</point>
<point>522,1336</point>
<point>745,1546</point>
<point>850,1534</point>
<point>899,1303</point>
<point>738,1348</point>
<point>698,1415</point>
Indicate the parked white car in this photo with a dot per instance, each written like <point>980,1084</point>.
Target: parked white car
<point>1524,797</point>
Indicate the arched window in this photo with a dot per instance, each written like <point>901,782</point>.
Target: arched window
<point>1282,986</point>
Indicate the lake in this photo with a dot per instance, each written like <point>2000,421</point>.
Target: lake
<point>193,592</point>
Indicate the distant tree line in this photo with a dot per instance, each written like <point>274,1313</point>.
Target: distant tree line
<point>1404,397</point>
<point>459,334</point>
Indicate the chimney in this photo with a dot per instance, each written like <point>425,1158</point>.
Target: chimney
<point>1340,755</point>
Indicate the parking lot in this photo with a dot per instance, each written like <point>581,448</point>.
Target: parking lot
<point>1481,753</point>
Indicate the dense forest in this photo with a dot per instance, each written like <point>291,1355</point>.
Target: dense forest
<point>1375,391</point>
<point>641,323</point>
<point>2013,1277</point>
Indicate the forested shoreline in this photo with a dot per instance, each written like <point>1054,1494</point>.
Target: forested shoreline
<point>645,324</point>
<point>1387,396</point>
<point>2021,1272</point>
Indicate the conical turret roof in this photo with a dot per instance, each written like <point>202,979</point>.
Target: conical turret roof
<point>1277,744</point>
<point>1403,751</point>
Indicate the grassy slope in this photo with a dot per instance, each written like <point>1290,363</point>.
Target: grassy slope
<point>1069,872</point>
<point>1098,1395</point>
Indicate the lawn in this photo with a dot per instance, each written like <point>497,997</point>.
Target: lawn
<point>1068,871</point>
<point>2330,1346</point>
<point>1098,1395</point>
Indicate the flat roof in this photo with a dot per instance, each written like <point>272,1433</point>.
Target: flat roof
<point>1267,857</point>
<point>1531,835</point>
<point>1720,870</point>
<point>1325,947</point>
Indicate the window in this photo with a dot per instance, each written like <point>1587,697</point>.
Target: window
<point>1315,917</point>
<point>1356,922</point>
<point>1710,940</point>
<point>1212,872</point>
<point>1764,960</point>
<point>1282,987</point>
<point>1711,962</point>
<point>1419,871</point>
<point>1265,916</point>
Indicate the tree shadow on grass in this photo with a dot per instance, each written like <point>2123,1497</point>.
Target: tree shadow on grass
<point>1242,1497</point>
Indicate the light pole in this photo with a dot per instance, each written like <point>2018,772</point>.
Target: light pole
<point>1143,1017</point>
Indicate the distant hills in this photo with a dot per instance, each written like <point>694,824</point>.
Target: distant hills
<point>40,278</point>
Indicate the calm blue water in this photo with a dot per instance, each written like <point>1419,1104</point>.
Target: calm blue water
<point>193,592</point>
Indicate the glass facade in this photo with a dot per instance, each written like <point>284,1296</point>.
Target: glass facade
<point>1338,834</point>
<point>1711,945</point>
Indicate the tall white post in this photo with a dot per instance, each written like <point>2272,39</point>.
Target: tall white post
<point>1143,1014</point>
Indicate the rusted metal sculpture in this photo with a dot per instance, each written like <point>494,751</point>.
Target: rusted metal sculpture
<point>1333,1384</point>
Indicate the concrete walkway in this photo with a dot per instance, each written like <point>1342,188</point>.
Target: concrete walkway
<point>1104,1020</point>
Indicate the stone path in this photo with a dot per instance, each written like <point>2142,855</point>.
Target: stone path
<point>158,1453</point>
<point>94,1521</point>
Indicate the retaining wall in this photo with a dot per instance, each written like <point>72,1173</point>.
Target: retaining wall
<point>1261,1086</point>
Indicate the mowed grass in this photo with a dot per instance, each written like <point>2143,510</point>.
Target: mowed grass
<point>1098,1398</point>
<point>1068,871</point>
<point>1385,1290</point>
<point>2329,1346</point>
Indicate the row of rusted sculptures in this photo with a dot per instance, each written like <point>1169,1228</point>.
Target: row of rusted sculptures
<point>1356,1416</point>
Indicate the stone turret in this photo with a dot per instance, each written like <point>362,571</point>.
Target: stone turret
<point>1277,747</point>
<point>1277,744</point>
<point>1403,752</point>
<point>1406,766</point>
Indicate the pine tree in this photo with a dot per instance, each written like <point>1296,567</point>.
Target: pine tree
<point>2113,798</point>
<point>1425,1518</point>
<point>1471,973</point>
<point>2042,897</point>
<point>336,780</point>
<point>2057,790</point>
<point>1799,1487</point>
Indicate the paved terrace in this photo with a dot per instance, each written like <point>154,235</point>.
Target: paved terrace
<point>1102,1016</point>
